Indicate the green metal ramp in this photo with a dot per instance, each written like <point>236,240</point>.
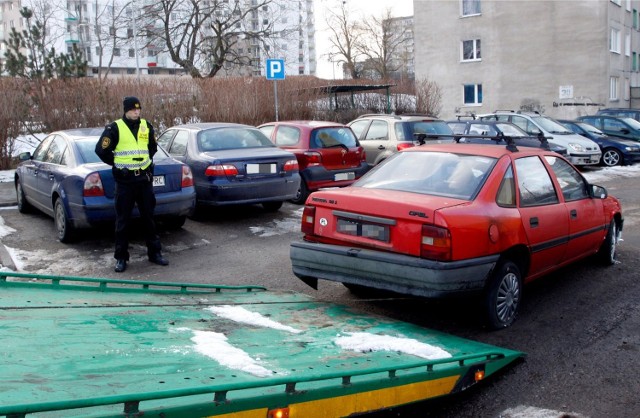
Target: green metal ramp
<point>74,346</point>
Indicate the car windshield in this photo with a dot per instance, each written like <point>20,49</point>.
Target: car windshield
<point>432,173</point>
<point>232,138</point>
<point>332,137</point>
<point>87,150</point>
<point>422,127</point>
<point>631,122</point>
<point>590,128</point>
<point>511,130</point>
<point>550,125</point>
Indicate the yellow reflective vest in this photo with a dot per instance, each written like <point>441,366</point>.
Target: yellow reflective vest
<point>130,153</point>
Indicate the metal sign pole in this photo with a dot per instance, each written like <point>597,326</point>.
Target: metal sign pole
<point>275,92</point>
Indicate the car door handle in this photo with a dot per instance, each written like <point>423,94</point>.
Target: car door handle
<point>381,147</point>
<point>574,214</point>
<point>533,222</point>
<point>51,177</point>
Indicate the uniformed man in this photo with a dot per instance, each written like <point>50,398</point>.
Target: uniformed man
<point>128,145</point>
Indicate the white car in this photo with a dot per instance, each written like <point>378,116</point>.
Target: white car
<point>580,150</point>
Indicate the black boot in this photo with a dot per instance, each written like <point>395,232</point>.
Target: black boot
<point>157,258</point>
<point>121,265</point>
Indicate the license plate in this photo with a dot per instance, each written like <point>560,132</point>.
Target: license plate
<point>345,176</point>
<point>363,229</point>
<point>158,181</point>
<point>261,169</point>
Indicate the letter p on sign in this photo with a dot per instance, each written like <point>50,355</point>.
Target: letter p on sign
<point>275,69</point>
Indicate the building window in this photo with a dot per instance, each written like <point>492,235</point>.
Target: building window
<point>634,61</point>
<point>635,19</point>
<point>98,51</point>
<point>627,89</point>
<point>129,33</point>
<point>627,44</point>
<point>614,42</point>
<point>613,88</point>
<point>471,50</point>
<point>470,7</point>
<point>116,52</point>
<point>132,53</point>
<point>473,94</point>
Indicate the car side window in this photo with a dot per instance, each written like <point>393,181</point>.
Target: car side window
<point>613,125</point>
<point>507,192</point>
<point>165,138</point>
<point>378,130</point>
<point>287,135</point>
<point>55,151</point>
<point>179,144</point>
<point>358,127</point>
<point>571,182</point>
<point>41,150</point>
<point>267,130</point>
<point>534,183</point>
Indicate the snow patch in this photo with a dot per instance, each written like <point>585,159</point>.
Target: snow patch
<point>365,342</point>
<point>244,316</point>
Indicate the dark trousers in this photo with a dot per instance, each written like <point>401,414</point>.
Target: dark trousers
<point>140,193</point>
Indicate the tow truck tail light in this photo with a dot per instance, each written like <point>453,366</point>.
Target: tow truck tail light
<point>291,165</point>
<point>93,186</point>
<point>404,145</point>
<point>220,170</point>
<point>278,413</point>
<point>187,177</point>
<point>436,243</point>
<point>308,219</point>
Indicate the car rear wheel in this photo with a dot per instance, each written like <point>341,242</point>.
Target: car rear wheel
<point>272,206</point>
<point>611,157</point>
<point>607,252</point>
<point>23,205</point>
<point>503,295</point>
<point>175,222</point>
<point>303,193</point>
<point>63,224</point>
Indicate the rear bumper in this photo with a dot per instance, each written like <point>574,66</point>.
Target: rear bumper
<point>237,193</point>
<point>317,177</point>
<point>387,271</point>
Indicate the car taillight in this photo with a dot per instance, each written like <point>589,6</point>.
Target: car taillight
<point>308,219</point>
<point>313,158</point>
<point>291,165</point>
<point>187,177</point>
<point>221,170</point>
<point>93,186</point>
<point>404,145</point>
<point>363,156</point>
<point>435,243</point>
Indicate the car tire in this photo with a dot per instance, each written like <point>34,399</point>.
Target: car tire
<point>503,295</point>
<point>64,228</point>
<point>272,206</point>
<point>611,157</point>
<point>175,222</point>
<point>607,251</point>
<point>303,193</point>
<point>23,205</point>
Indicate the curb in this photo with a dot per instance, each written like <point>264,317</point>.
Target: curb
<point>5,258</point>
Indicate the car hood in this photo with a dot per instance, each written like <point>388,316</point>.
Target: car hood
<point>566,139</point>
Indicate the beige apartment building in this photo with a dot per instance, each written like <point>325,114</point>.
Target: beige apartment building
<point>563,58</point>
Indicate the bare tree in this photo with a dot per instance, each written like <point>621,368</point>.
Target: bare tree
<point>113,26</point>
<point>428,97</point>
<point>346,39</point>
<point>381,42</point>
<point>204,36</point>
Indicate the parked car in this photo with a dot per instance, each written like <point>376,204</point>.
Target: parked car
<point>445,220</point>
<point>328,153</point>
<point>65,179</point>
<point>580,150</point>
<point>620,112</point>
<point>615,151</point>
<point>233,164</point>
<point>626,128</point>
<point>494,133</point>
<point>383,135</point>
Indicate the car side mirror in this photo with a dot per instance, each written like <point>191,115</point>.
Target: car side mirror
<point>24,156</point>
<point>624,131</point>
<point>598,192</point>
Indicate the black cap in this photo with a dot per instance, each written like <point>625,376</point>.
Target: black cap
<point>130,103</point>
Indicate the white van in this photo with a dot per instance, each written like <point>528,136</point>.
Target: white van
<point>580,150</point>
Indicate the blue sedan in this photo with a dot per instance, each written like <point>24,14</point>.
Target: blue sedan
<point>233,164</point>
<point>615,151</point>
<point>65,179</point>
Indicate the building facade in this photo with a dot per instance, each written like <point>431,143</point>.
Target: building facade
<point>113,34</point>
<point>563,58</point>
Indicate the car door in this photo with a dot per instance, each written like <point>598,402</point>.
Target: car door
<point>544,216</point>
<point>375,142</point>
<point>50,172</point>
<point>587,222</point>
<point>29,178</point>
<point>616,127</point>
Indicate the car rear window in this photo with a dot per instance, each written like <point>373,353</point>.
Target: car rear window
<point>432,173</point>
<point>332,137</point>
<point>405,130</point>
<point>232,138</point>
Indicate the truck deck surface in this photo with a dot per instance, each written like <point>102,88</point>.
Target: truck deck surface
<point>75,346</point>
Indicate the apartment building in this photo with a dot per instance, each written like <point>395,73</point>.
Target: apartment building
<point>564,58</point>
<point>402,59</point>
<point>111,34</point>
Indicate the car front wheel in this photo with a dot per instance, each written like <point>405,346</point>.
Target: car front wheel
<point>607,252</point>
<point>611,157</point>
<point>272,206</point>
<point>63,224</point>
<point>503,295</point>
<point>23,205</point>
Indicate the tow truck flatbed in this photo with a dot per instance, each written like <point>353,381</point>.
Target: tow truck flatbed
<point>75,346</point>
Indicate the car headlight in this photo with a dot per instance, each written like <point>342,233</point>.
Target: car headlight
<point>631,149</point>
<point>577,147</point>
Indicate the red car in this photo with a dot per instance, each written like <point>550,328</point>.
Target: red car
<point>454,219</point>
<point>328,153</point>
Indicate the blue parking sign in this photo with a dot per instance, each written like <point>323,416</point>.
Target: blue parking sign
<point>275,69</point>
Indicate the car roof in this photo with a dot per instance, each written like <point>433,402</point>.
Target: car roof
<point>403,117</point>
<point>477,149</point>
<point>80,133</point>
<point>306,123</point>
<point>211,125</point>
